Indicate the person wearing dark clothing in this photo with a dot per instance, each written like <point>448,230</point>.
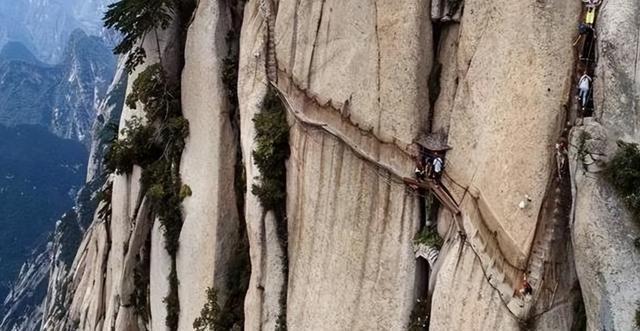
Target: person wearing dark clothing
<point>587,33</point>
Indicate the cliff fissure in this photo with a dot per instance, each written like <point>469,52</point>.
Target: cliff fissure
<point>270,155</point>
<point>290,201</point>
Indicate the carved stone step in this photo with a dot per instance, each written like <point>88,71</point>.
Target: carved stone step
<point>536,263</point>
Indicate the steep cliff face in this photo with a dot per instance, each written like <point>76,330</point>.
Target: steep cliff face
<point>71,257</point>
<point>26,307</point>
<point>512,77</point>
<point>121,276</point>
<point>267,282</point>
<point>348,219</point>
<point>607,260</point>
<point>361,83</point>
<point>131,220</point>
<point>212,232</point>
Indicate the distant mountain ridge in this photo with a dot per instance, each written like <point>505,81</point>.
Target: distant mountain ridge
<point>16,51</point>
<point>48,265</point>
<point>63,97</point>
<point>40,175</point>
<point>44,26</point>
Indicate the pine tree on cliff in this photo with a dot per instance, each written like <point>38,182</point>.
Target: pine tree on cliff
<point>135,19</point>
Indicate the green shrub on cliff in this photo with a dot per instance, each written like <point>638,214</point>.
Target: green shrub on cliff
<point>429,237</point>
<point>623,172</point>
<point>271,153</point>
<point>156,144</point>
<point>135,148</point>
<point>135,20</point>
<point>270,156</point>
<point>210,314</point>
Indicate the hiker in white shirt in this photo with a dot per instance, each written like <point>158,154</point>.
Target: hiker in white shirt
<point>437,164</point>
<point>584,85</point>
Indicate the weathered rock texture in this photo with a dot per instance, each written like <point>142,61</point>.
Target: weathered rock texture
<point>262,306</point>
<point>350,224</point>
<point>128,212</point>
<point>607,262</point>
<point>100,280</point>
<point>513,65</point>
<point>210,231</point>
<point>361,81</point>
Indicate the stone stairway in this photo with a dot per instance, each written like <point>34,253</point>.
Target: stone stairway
<point>540,254</point>
<point>396,161</point>
<point>504,277</point>
<point>429,253</point>
<point>267,10</point>
<point>492,263</point>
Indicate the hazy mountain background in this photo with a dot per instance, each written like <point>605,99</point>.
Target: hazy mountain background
<point>40,175</point>
<point>44,26</point>
<point>56,65</point>
<point>60,97</point>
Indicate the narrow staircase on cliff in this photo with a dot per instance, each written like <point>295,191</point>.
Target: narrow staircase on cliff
<point>506,277</point>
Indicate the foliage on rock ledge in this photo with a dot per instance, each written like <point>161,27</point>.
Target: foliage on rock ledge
<point>155,143</point>
<point>135,20</point>
<point>272,151</point>
<point>210,314</point>
<point>623,172</point>
<point>229,315</point>
<point>429,237</point>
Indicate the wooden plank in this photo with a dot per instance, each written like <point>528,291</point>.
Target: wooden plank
<point>430,185</point>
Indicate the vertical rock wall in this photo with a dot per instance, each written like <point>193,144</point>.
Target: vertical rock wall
<point>347,51</point>
<point>607,261</point>
<point>513,69</point>
<point>101,279</point>
<point>127,196</point>
<point>210,231</point>
<point>262,306</point>
<point>351,225</point>
<point>350,234</point>
<point>160,267</point>
<point>503,86</point>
